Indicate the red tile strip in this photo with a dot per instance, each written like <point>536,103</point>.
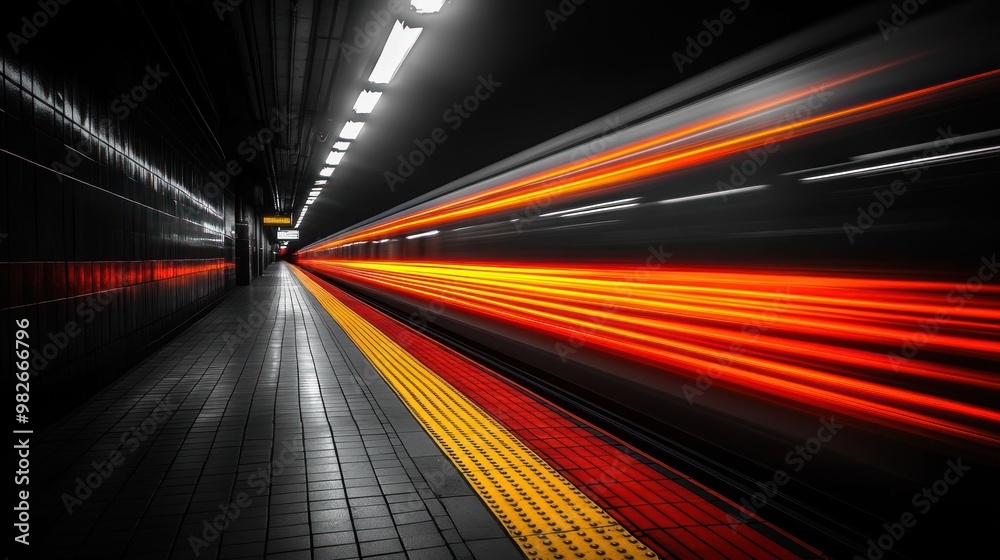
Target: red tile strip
<point>672,514</point>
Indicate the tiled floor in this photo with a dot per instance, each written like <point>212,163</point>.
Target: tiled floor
<point>263,421</point>
<point>670,512</point>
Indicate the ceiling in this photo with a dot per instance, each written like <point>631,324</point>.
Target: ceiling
<point>557,64</point>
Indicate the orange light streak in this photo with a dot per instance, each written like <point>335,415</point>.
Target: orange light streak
<point>647,158</point>
<point>808,338</point>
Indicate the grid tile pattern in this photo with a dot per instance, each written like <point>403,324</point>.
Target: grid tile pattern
<point>542,511</point>
<point>255,433</point>
<point>668,511</point>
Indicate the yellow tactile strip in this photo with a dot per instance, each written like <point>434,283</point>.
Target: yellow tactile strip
<point>545,514</point>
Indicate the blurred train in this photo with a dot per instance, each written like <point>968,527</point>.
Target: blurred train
<point>780,276</point>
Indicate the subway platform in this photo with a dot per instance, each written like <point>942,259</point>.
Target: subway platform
<point>294,421</point>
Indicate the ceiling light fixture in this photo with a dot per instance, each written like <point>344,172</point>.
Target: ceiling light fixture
<point>427,6</point>
<point>397,46</point>
<point>351,130</point>
<point>334,158</point>
<point>366,101</point>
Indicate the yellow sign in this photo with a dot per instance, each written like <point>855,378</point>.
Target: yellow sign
<point>285,220</point>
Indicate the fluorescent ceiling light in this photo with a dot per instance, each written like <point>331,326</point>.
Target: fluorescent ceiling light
<point>351,130</point>
<point>726,192</point>
<point>342,146</point>
<point>326,171</point>
<point>598,205</point>
<point>320,182</point>
<point>401,40</point>
<point>310,201</point>
<point>604,209</point>
<point>366,101</point>
<point>424,234</point>
<point>427,6</point>
<point>334,158</point>
<point>315,192</point>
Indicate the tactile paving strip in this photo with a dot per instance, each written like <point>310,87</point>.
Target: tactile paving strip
<point>546,515</point>
<point>670,513</point>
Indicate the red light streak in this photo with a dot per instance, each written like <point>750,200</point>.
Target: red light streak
<point>824,343</point>
<point>670,151</point>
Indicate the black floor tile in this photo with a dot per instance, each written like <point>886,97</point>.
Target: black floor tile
<point>271,445</point>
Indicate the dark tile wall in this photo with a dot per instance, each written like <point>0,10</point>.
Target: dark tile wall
<point>109,240</point>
